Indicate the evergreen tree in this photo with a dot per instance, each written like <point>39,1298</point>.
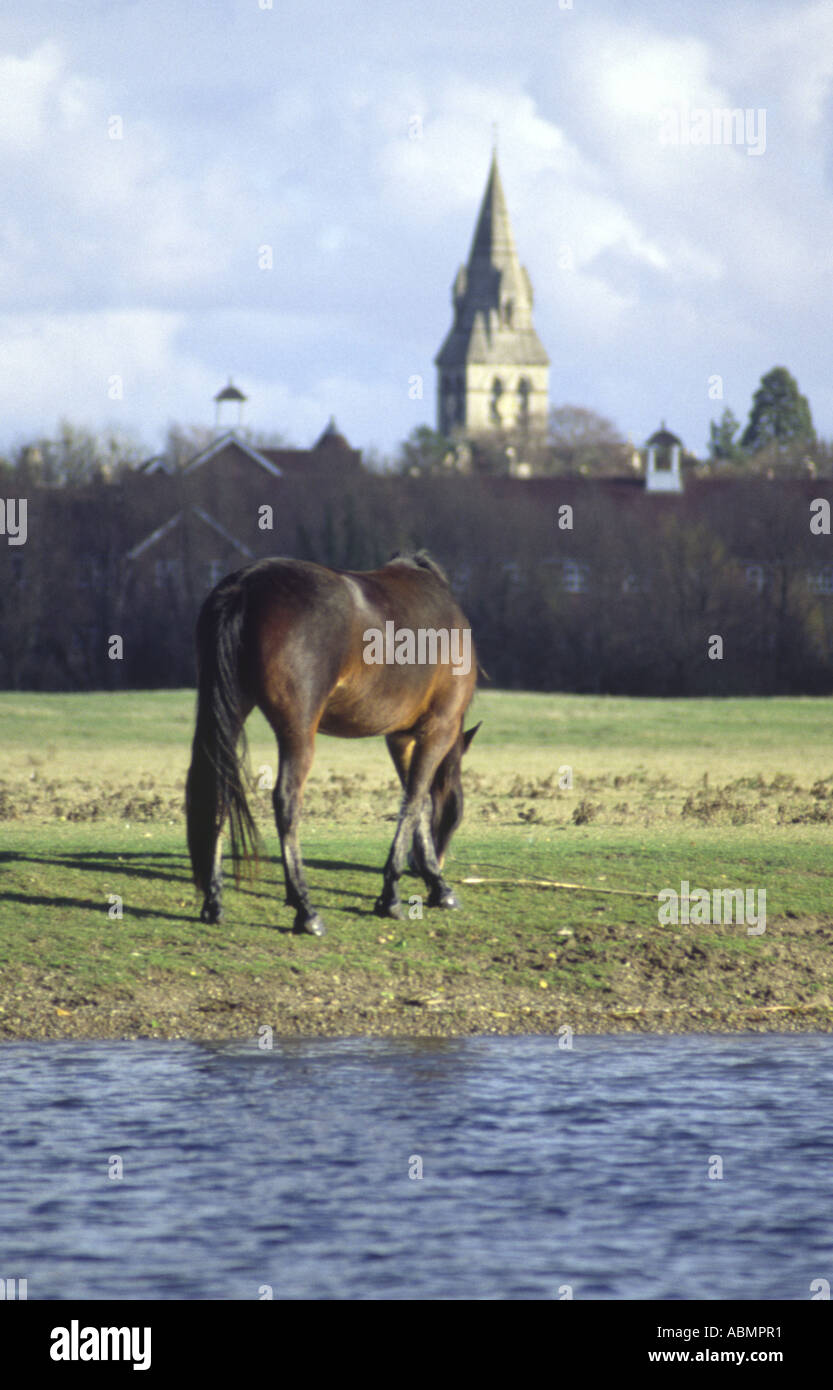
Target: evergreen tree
<point>779,414</point>
<point>424,451</point>
<point>722,443</point>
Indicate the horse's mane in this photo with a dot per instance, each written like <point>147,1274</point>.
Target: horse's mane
<point>422,560</point>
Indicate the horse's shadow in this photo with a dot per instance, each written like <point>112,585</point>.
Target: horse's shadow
<point>89,905</point>
<point>122,862</point>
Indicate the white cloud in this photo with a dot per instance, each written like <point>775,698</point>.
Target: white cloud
<point>238,135</point>
<point>53,365</point>
<point>27,88</point>
<point>790,51</point>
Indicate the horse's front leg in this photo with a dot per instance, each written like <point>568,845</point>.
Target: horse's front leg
<point>427,863</point>
<point>388,903</point>
<point>415,817</point>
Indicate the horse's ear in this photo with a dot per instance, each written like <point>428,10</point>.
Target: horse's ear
<point>469,735</point>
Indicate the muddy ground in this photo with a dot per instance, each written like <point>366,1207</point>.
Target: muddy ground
<point>657,988</point>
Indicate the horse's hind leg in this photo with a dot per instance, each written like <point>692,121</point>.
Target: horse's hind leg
<point>212,908</point>
<point>295,759</point>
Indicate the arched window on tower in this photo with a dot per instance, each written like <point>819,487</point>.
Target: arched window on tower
<point>453,402</point>
<point>508,311</point>
<point>497,392</point>
<point>460,400</point>
<point>448,405</point>
<point>524,390</point>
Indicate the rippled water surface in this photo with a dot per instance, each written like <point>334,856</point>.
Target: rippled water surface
<point>542,1168</point>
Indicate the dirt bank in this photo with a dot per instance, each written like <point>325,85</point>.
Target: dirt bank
<point>714,992</point>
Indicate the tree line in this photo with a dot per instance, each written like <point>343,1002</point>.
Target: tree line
<point>625,598</point>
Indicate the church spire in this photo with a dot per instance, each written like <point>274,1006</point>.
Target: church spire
<point>493,240</point>
<point>493,370</point>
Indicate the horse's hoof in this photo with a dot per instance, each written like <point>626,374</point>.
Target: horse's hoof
<point>446,899</point>
<point>309,926</point>
<point>385,909</point>
<point>211,913</point>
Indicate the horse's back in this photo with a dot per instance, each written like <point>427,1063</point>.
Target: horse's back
<point>390,695</point>
<point>306,634</point>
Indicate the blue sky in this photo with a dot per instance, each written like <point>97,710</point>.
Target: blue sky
<point>354,141</point>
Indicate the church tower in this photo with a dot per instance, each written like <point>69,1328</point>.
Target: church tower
<point>492,368</point>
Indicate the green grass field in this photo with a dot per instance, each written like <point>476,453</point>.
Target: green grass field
<point>719,793</point>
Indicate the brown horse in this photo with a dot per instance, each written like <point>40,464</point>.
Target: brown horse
<point>348,653</point>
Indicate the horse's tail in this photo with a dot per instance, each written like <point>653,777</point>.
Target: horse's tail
<point>215,791</point>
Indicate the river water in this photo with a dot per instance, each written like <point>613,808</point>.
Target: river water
<point>293,1172</point>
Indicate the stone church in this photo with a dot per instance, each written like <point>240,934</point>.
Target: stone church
<point>493,369</point>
